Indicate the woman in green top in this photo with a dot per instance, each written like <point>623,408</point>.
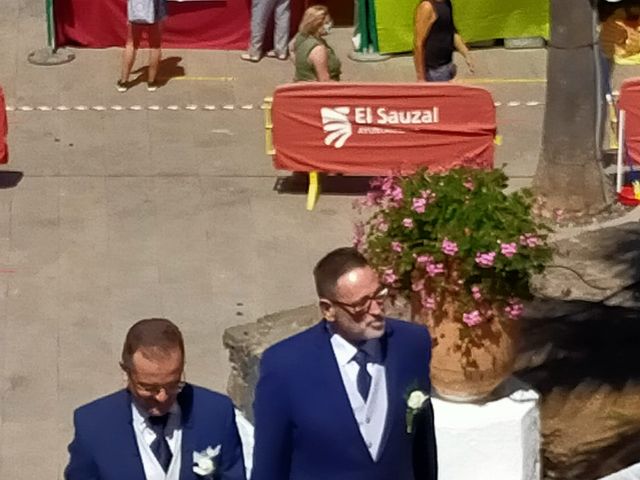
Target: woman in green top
<point>313,58</point>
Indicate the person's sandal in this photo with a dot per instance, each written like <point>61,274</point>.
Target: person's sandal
<point>122,86</point>
<point>279,56</point>
<point>247,57</point>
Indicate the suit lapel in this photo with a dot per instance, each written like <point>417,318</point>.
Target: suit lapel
<point>126,446</point>
<point>185,400</point>
<point>392,368</point>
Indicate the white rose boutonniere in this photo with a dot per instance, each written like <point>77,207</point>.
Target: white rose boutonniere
<point>415,402</point>
<point>204,461</point>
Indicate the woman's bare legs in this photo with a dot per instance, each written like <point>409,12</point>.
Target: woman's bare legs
<point>155,51</point>
<point>134,32</point>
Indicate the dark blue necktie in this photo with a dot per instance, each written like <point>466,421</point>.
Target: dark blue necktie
<point>364,378</point>
<point>159,446</point>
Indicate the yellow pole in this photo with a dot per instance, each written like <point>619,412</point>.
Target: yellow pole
<point>313,192</point>
<point>268,126</point>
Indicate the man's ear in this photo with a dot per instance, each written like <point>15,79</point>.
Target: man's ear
<point>327,309</point>
<point>125,373</point>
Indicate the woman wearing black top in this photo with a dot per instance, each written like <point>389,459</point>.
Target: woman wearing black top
<point>435,39</point>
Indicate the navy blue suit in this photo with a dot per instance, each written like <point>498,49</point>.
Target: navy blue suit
<point>104,446</point>
<point>305,427</point>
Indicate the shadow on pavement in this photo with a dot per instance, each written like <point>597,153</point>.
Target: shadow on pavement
<point>329,184</point>
<point>169,68</point>
<point>10,178</point>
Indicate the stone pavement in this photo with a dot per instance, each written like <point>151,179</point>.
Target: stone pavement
<point>125,213</point>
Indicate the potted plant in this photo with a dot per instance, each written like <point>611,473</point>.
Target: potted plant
<point>463,251</point>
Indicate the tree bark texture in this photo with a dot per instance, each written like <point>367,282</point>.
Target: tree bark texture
<point>570,174</point>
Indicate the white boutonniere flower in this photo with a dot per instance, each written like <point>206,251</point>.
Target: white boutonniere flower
<point>415,402</point>
<point>204,461</point>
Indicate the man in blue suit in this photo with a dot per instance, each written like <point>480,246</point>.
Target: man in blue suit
<point>159,428</point>
<point>331,402</point>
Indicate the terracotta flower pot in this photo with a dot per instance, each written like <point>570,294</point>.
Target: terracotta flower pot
<point>468,363</point>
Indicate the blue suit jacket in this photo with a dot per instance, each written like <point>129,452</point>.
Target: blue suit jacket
<point>104,445</point>
<point>305,428</point>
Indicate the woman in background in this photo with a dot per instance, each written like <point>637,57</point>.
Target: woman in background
<point>435,39</point>
<point>135,31</point>
<point>312,56</point>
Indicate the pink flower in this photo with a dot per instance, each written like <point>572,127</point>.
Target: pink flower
<point>449,247</point>
<point>428,302</point>
<point>377,182</point>
<point>428,195</point>
<point>472,318</point>
<point>382,225</point>
<point>424,260</point>
<point>358,235</point>
<point>396,195</point>
<point>476,293</point>
<point>372,198</point>
<point>396,247</point>
<point>434,269</point>
<point>390,190</point>
<point>530,240</point>
<point>383,183</point>
<point>417,285</point>
<point>485,259</point>
<point>508,249</point>
<point>533,241</point>
<point>514,310</point>
<point>419,205</point>
<point>468,183</point>
<point>407,222</point>
<point>389,276</point>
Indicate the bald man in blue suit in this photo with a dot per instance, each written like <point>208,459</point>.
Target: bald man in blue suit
<point>331,402</point>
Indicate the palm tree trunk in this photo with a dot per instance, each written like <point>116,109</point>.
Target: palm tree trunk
<point>569,173</point>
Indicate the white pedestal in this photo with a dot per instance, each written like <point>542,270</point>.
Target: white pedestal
<point>499,440</point>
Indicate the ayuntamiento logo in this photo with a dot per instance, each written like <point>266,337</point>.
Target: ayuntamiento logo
<point>339,128</point>
<point>336,124</point>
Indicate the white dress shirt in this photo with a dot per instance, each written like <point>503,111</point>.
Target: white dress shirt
<point>145,436</point>
<point>371,416</point>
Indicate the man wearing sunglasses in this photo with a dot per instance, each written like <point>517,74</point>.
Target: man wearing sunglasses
<point>159,427</point>
<point>331,402</point>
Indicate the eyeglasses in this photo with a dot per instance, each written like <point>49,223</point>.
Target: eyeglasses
<point>364,305</point>
<point>153,390</point>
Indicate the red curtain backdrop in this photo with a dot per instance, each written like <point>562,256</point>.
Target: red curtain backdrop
<point>4,152</point>
<point>366,128</point>
<point>630,103</point>
<point>217,25</point>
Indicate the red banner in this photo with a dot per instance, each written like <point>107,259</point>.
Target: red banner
<point>4,151</point>
<point>103,23</point>
<point>213,24</point>
<point>629,101</point>
<point>370,128</point>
